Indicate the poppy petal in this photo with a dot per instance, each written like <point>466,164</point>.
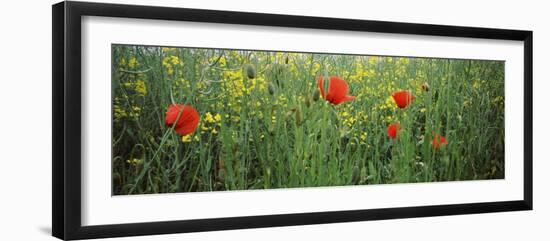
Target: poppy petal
<point>321,87</point>
<point>438,141</point>
<point>347,98</point>
<point>172,114</point>
<point>402,98</point>
<point>188,119</point>
<point>338,91</point>
<point>392,130</point>
<point>188,127</point>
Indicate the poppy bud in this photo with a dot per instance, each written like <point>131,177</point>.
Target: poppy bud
<point>278,69</point>
<point>218,186</point>
<point>307,101</point>
<point>298,115</point>
<point>355,174</point>
<point>221,174</point>
<point>316,95</point>
<point>116,179</point>
<point>425,87</point>
<point>344,139</point>
<point>270,88</point>
<point>250,71</point>
<point>277,75</point>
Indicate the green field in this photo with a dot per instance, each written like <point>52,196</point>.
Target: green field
<point>265,122</point>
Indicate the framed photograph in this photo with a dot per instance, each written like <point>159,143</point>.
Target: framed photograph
<point>169,120</point>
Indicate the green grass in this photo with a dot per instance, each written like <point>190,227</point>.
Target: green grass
<point>272,131</point>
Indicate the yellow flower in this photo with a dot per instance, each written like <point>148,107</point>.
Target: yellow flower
<point>186,138</point>
<point>165,49</point>
<point>169,61</point>
<point>389,119</point>
<point>234,83</point>
<point>236,118</point>
<point>373,60</point>
<point>140,88</point>
<point>350,121</point>
<point>498,99</point>
<point>119,113</point>
<point>477,84</point>
<point>174,60</point>
<point>363,136</point>
<point>218,117</point>
<point>208,117</point>
<point>133,62</point>
<point>134,161</point>
<point>222,62</point>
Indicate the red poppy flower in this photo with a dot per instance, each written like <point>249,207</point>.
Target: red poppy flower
<point>403,98</point>
<point>392,130</point>
<point>438,141</point>
<point>337,92</point>
<point>188,119</point>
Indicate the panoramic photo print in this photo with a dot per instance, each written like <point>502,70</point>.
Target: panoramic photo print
<point>188,119</point>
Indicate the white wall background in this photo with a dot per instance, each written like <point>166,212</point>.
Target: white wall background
<point>25,119</point>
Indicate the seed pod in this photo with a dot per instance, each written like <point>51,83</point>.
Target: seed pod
<point>271,88</point>
<point>425,87</point>
<point>286,59</point>
<point>250,71</point>
<point>316,95</point>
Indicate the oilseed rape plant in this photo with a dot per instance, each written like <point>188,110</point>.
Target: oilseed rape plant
<point>196,119</point>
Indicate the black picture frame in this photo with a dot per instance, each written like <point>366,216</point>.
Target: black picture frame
<point>66,169</point>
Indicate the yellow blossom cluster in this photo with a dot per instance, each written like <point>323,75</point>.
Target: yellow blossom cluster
<point>132,63</point>
<point>138,87</point>
<point>212,123</point>
<point>119,112</point>
<point>169,62</point>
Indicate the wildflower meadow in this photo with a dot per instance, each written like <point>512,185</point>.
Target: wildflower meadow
<point>195,119</point>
